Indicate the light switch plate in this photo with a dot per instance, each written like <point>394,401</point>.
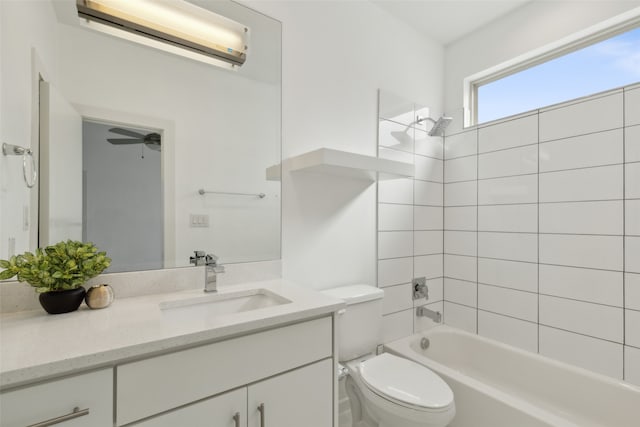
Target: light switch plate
<point>198,221</point>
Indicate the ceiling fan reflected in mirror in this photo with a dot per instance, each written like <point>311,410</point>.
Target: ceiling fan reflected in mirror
<point>151,140</point>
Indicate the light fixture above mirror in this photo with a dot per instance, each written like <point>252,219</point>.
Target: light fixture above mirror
<point>175,26</point>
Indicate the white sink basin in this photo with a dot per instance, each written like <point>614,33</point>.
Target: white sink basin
<point>224,303</point>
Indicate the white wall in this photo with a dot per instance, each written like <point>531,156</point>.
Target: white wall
<point>17,40</point>
<point>335,57</point>
<point>532,26</point>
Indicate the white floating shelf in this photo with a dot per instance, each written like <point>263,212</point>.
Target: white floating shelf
<point>343,163</point>
<point>274,172</point>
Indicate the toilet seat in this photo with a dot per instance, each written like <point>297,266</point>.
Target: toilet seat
<point>406,383</point>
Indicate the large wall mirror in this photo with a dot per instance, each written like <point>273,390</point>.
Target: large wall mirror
<point>145,153</point>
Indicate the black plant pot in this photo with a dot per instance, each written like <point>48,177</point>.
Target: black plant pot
<point>58,302</point>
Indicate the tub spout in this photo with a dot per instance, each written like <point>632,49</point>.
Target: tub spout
<point>436,316</point>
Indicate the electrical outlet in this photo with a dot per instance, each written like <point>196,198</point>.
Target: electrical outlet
<point>198,221</point>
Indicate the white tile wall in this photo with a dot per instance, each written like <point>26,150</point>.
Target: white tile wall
<point>508,134</point>
<point>395,244</point>
<point>395,154</point>
<point>461,169</point>
<point>557,215</point>
<point>632,218</point>
<point>632,180</point>
<point>429,266</point>
<point>429,169</point>
<point>461,194</point>
<point>604,252</point>
<point>397,298</point>
<point>393,217</point>
<point>599,286</point>
<point>596,149</point>
<point>632,144</point>
<point>632,107</point>
<point>599,183</point>
<point>460,292</point>
<point>509,274</point>
<point>430,146</point>
<point>462,144</point>
<point>395,271</point>
<point>396,191</point>
<point>632,365</point>
<point>517,189</point>
<point>586,116</point>
<point>427,193</point>
<point>427,218</point>
<point>397,325</point>
<point>460,218</point>
<point>582,217</point>
<point>632,254</point>
<point>593,354</point>
<point>520,218</point>
<point>436,291</point>
<point>519,304</point>
<point>514,161</point>
<point>508,246</point>
<point>632,328</point>
<point>460,243</point>
<point>427,242</point>
<point>460,316</point>
<point>460,267</point>
<point>515,332</point>
<point>632,291</point>
<point>594,320</point>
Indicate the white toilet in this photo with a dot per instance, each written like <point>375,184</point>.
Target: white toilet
<point>384,390</point>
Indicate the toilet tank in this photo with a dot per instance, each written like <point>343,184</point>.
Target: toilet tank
<point>359,327</point>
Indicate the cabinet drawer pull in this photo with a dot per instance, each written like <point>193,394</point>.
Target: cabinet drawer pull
<point>261,409</point>
<point>236,419</point>
<point>77,412</point>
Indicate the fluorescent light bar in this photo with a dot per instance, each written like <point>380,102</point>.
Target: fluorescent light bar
<point>169,25</point>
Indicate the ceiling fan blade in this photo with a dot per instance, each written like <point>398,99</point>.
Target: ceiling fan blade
<point>124,141</point>
<point>127,132</point>
<point>154,147</point>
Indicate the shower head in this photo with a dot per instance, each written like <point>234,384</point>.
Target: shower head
<point>438,125</point>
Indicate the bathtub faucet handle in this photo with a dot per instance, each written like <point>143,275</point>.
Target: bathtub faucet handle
<point>420,289</point>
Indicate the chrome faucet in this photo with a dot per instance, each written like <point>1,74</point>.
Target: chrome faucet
<point>211,269</point>
<point>422,311</point>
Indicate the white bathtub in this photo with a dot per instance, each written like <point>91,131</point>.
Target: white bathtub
<point>496,385</point>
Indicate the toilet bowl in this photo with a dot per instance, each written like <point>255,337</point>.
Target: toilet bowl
<point>389,391</point>
<point>384,390</point>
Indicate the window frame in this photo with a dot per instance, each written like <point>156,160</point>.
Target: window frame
<point>564,46</point>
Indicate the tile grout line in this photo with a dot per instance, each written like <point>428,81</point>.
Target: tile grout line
<point>538,232</point>
<point>477,229</point>
<point>624,229</point>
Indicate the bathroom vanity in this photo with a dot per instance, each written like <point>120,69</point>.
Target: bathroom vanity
<point>254,355</point>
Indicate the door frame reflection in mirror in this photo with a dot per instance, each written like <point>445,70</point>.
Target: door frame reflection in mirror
<point>167,169</point>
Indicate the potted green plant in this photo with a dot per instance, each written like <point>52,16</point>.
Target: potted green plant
<point>57,272</point>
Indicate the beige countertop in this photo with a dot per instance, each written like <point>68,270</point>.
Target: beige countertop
<point>36,346</point>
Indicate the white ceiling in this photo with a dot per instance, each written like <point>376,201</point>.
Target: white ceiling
<point>448,20</point>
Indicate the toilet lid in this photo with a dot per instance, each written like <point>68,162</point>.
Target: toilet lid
<point>406,382</point>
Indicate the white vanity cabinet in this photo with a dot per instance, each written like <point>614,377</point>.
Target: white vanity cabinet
<point>289,370</point>
<point>78,401</point>
<point>302,397</point>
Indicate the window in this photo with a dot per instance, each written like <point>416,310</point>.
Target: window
<point>604,65</point>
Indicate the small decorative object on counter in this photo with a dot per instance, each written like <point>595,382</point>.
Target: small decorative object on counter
<point>57,272</point>
<point>99,296</point>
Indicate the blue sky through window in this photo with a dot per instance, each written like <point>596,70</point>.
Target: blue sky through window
<point>602,66</point>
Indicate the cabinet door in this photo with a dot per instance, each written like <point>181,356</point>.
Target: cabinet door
<point>226,410</point>
<point>302,397</point>
<point>91,394</point>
